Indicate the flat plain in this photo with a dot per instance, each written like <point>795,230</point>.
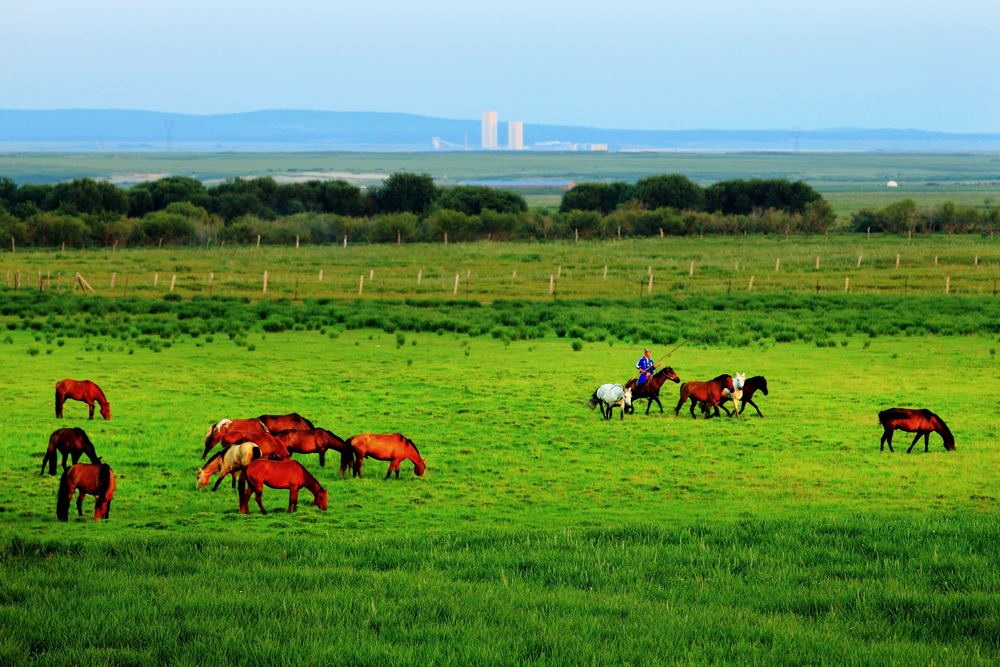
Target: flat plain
<point>540,534</point>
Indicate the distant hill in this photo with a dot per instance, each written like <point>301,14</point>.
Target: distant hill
<point>120,130</point>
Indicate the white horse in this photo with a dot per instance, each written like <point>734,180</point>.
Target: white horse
<point>611,396</point>
<point>229,461</point>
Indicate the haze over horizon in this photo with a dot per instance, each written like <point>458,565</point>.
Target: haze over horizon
<point>637,65</point>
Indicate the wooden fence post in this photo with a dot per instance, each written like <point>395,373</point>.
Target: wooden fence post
<point>947,284</point>
<point>605,272</point>
<point>847,283</point>
<point>345,241</point>
<point>371,274</point>
<point>156,279</point>
<point>777,264</point>
<point>576,235</point>
<point>361,284</point>
<point>64,246</point>
<point>258,240</point>
<point>859,261</point>
<point>935,260</point>
<point>619,232</point>
<point>868,234</point>
<point>552,284</point>
<point>691,269</point>
<point>264,286</point>
<point>420,276</point>
<point>817,262</point>
<point>736,266</point>
<point>897,260</point>
<point>173,281</point>
<point>661,233</point>
<point>13,246</point>
<point>114,279</point>
<point>446,238</point>
<point>296,241</point>
<point>320,275</point>
<point>455,289</point>
<point>211,282</point>
<point>975,260</point>
<point>649,289</point>
<point>750,285</point>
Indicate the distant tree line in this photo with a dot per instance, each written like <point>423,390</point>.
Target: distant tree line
<point>905,217</point>
<point>409,207</point>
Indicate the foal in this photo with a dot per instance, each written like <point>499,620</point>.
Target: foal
<point>228,462</point>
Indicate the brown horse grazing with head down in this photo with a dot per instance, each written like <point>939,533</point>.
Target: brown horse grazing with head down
<point>650,390</point>
<point>285,422</point>
<point>920,421</point>
<point>392,447</point>
<point>289,475</point>
<point>81,390</point>
<point>234,431</point>
<point>70,442</point>
<point>97,479</point>
<point>316,440</point>
<point>705,392</point>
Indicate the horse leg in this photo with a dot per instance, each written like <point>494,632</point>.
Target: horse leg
<point>76,457</point>
<point>244,494</point>
<point>322,457</point>
<point>397,467</point>
<point>79,503</point>
<point>90,404</point>
<point>888,439</point>
<point>750,401</point>
<point>358,462</point>
<point>693,403</point>
<point>915,439</point>
<point>65,458</point>
<point>258,493</point>
<point>927,435</point>
<point>677,410</point>
<point>345,460</point>
<point>293,499</point>
<point>107,510</point>
<point>222,477</point>
<point>649,404</point>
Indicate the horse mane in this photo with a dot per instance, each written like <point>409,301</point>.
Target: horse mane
<point>103,481</point>
<point>409,442</point>
<point>944,431</point>
<point>721,378</point>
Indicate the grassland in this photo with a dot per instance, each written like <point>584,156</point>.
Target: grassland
<point>539,534</point>
<point>849,180</point>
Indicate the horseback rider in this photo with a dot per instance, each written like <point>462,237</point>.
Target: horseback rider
<point>645,366</point>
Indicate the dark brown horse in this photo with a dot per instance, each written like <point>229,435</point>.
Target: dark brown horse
<point>70,442</point>
<point>704,392</point>
<point>314,441</point>
<point>97,479</point>
<point>650,390</point>
<point>750,387</point>
<point>81,390</point>
<point>234,431</point>
<point>285,422</point>
<point>920,421</point>
<point>392,447</point>
<point>289,475</point>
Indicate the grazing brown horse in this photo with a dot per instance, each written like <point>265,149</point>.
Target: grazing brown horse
<point>313,441</point>
<point>705,392</point>
<point>234,431</point>
<point>920,421</point>
<point>392,447</point>
<point>750,387</point>
<point>289,475</point>
<point>285,422</point>
<point>70,442</point>
<point>227,462</point>
<point>650,390</point>
<point>81,390</point>
<point>97,479</point>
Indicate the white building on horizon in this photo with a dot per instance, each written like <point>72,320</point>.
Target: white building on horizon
<point>515,135</point>
<point>489,130</point>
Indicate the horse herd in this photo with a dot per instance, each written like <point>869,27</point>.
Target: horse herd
<point>258,450</point>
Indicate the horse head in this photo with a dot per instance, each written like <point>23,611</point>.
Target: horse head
<point>420,467</point>
<point>592,403</point>
<point>106,410</point>
<point>628,398</point>
<point>763,385</point>
<point>321,499</point>
<point>203,479</point>
<point>739,380</point>
<point>668,374</point>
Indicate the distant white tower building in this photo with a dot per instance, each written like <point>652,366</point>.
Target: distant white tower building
<point>515,135</point>
<point>489,129</point>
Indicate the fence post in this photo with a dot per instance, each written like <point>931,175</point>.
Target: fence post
<point>371,274</point>
<point>605,272</point>
<point>173,281</point>
<point>446,238</point>
<point>114,279</point>
<point>817,262</point>
<point>750,285</point>
<point>258,240</point>
<point>13,246</point>
<point>661,233</point>
<point>935,260</point>
<point>868,234</point>
<point>736,266</point>
<point>947,284</point>
<point>552,284</point>
<point>156,279</point>
<point>455,289</point>
<point>264,287</point>
<point>211,282</point>
<point>296,241</point>
<point>619,232</point>
<point>361,284</point>
<point>576,235</point>
<point>690,269</point>
<point>777,264</point>
<point>320,276</point>
<point>345,241</point>
<point>650,288</point>
<point>859,261</point>
<point>847,283</point>
<point>399,237</point>
<point>420,276</point>
<point>897,260</point>
<point>975,260</point>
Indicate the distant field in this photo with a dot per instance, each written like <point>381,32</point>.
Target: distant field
<point>850,180</point>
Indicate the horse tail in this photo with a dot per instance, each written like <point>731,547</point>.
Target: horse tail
<point>62,500</point>
<point>50,456</point>
<point>944,432</point>
<point>58,405</point>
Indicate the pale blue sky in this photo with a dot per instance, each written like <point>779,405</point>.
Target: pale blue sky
<point>625,64</point>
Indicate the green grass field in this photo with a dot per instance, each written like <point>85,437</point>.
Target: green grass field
<point>539,534</point>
